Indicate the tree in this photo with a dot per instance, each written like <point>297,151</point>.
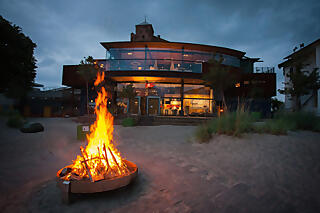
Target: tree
<point>219,77</point>
<point>18,64</point>
<point>302,82</point>
<point>128,92</point>
<point>88,72</point>
<point>276,105</point>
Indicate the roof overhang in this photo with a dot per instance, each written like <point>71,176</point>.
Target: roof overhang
<point>173,45</point>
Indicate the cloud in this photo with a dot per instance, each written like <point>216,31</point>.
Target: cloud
<point>66,31</point>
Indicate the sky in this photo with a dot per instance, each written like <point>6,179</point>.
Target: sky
<point>65,31</point>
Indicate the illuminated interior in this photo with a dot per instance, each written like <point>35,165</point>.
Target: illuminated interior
<point>166,99</point>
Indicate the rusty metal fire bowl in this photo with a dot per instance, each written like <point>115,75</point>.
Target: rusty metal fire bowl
<point>86,186</point>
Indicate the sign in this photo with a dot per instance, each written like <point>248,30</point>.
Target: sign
<point>85,128</point>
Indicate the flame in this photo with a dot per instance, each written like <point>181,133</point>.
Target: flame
<point>100,159</point>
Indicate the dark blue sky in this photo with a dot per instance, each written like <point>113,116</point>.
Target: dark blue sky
<point>67,30</point>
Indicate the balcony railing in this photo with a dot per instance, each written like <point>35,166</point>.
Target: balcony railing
<point>152,65</point>
<point>264,69</point>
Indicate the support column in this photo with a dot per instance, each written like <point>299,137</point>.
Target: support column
<point>182,97</point>
<point>72,101</point>
<point>318,66</point>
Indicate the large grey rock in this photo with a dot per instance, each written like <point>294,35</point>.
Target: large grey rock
<point>32,128</point>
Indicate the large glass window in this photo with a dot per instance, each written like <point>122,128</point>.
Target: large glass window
<point>162,59</point>
<point>198,99</point>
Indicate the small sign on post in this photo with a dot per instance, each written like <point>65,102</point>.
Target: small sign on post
<point>82,131</point>
<point>85,128</point>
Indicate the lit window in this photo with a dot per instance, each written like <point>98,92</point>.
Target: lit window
<point>246,82</point>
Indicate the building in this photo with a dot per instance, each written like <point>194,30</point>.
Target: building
<point>52,102</point>
<point>168,76</point>
<point>309,57</point>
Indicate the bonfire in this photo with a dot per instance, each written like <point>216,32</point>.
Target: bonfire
<point>99,159</point>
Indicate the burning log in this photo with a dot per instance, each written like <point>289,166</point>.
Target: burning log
<point>106,157</point>
<point>84,154</point>
<point>65,171</point>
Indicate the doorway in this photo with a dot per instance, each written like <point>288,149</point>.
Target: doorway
<point>153,105</point>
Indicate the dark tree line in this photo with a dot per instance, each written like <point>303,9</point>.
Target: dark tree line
<point>17,62</point>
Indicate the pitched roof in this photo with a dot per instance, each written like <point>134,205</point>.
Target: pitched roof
<point>300,52</point>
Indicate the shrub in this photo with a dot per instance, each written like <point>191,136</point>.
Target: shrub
<point>203,134</point>
<point>128,122</point>
<point>233,123</point>
<point>284,122</point>
<point>276,127</point>
<point>255,116</point>
<point>15,121</point>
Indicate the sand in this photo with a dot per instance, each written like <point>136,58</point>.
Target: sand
<point>254,173</point>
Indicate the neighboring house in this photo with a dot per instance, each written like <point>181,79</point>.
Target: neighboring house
<point>309,57</point>
<point>54,102</point>
<point>168,76</point>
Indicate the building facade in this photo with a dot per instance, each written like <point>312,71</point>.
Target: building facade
<point>309,57</point>
<point>168,76</point>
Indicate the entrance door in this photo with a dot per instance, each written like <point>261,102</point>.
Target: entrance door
<point>134,105</point>
<point>153,105</point>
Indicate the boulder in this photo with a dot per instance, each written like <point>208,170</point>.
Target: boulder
<point>32,128</point>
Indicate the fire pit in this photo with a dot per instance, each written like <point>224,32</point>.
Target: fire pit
<point>100,166</point>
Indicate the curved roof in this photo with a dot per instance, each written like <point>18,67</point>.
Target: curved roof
<point>173,45</point>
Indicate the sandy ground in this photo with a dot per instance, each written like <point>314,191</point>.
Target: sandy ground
<point>255,173</point>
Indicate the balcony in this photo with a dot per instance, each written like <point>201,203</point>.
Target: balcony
<point>152,65</point>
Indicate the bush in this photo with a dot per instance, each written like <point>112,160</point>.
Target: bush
<point>9,112</point>
<point>203,134</point>
<point>128,122</point>
<point>230,123</point>
<point>276,127</point>
<point>292,121</point>
<point>233,123</point>
<point>255,116</point>
<point>15,121</point>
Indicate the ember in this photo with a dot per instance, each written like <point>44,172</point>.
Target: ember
<point>99,160</point>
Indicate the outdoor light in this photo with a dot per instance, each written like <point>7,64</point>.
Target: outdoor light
<point>129,53</point>
<point>237,85</point>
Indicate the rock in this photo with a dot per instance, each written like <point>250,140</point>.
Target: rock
<point>32,128</point>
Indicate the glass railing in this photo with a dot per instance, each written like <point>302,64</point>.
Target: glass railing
<point>153,65</point>
<point>264,69</point>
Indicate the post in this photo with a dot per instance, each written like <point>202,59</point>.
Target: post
<point>182,97</point>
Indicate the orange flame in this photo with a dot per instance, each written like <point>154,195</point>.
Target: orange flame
<point>100,159</point>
